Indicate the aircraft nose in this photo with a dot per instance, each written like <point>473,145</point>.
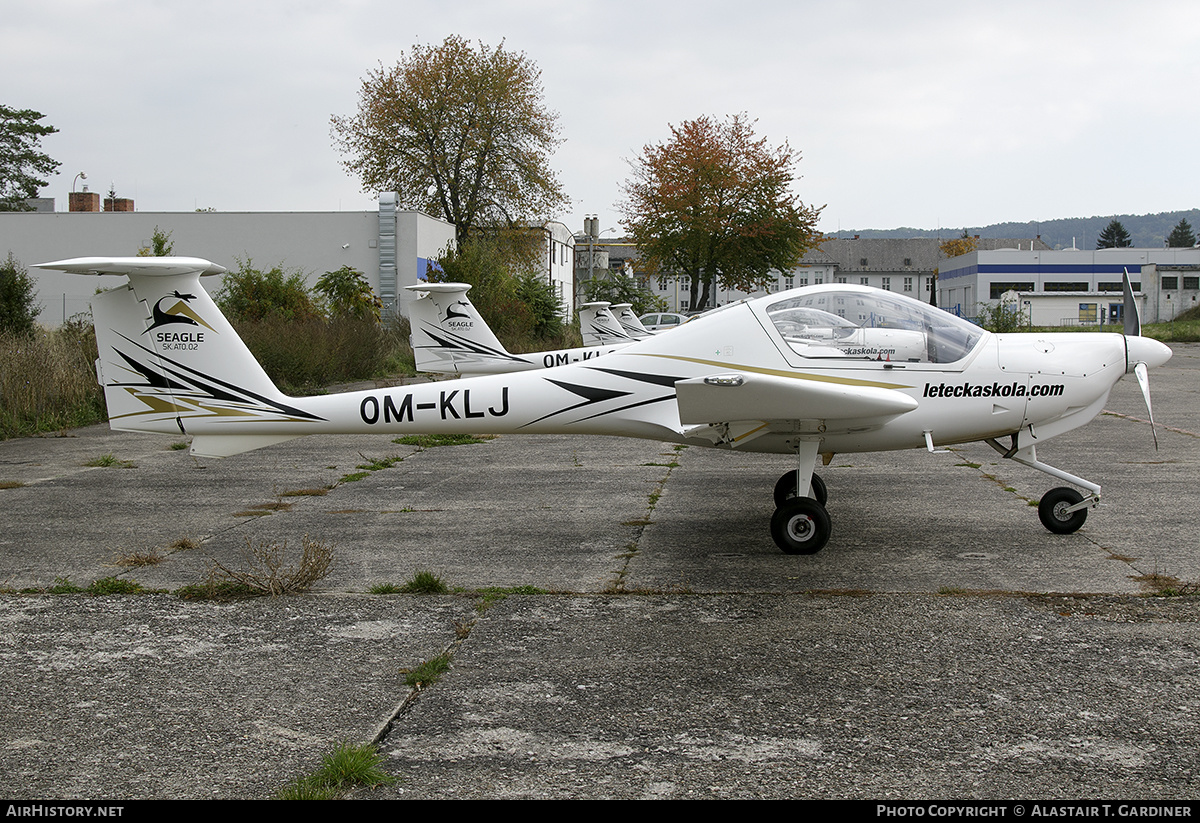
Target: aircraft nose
<point>1145,350</point>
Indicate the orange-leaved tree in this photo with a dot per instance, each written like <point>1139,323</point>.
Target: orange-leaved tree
<point>715,204</point>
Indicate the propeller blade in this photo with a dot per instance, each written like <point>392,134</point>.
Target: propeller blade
<point>1143,379</point>
<point>1133,323</point>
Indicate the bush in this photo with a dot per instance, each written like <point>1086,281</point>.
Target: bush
<point>310,353</point>
<point>348,294</point>
<point>18,300</point>
<point>250,294</point>
<point>520,307</point>
<point>48,380</point>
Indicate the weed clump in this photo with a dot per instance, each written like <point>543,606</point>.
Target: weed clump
<point>341,770</point>
<point>270,572</point>
<point>424,582</point>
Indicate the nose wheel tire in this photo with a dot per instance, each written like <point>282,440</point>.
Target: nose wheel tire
<point>785,489</point>
<point>800,526</point>
<point>1052,510</point>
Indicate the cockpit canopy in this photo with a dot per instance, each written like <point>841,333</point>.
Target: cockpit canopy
<point>869,324</point>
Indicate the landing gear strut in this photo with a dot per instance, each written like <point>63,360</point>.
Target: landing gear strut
<point>1062,510</point>
<point>800,524</point>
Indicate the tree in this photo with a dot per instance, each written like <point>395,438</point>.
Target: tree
<point>619,287</point>
<point>348,294</point>
<point>22,164</point>
<point>1114,236</point>
<point>161,245</point>
<point>1181,236</point>
<point>249,294</point>
<point>955,247</point>
<point>715,205</point>
<point>458,131</point>
<point>18,299</point>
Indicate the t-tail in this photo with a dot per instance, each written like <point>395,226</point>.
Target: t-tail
<point>599,326</point>
<point>449,336</point>
<point>168,356</point>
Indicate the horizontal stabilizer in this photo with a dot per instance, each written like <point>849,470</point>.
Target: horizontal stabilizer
<point>142,266</point>
<point>724,398</point>
<point>227,445</point>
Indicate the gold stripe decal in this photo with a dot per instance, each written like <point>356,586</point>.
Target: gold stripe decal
<point>819,378</point>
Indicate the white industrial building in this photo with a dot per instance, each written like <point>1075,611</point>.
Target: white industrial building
<point>1072,287</point>
<point>392,247</point>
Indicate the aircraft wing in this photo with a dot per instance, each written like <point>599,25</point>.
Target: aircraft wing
<point>742,396</point>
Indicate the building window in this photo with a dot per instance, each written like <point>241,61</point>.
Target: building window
<point>908,283</point>
<point>818,280</point>
<point>997,289</point>
<point>887,284</point>
<point>862,261</point>
<point>866,281</point>
<point>1191,282</point>
<point>1064,286</point>
<point>908,262</point>
<point>1170,283</point>
<point>789,283</point>
<point>839,279</point>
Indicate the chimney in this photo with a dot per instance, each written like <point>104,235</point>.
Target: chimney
<point>118,204</point>
<point>84,201</point>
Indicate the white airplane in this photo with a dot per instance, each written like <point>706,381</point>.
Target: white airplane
<point>599,326</point>
<point>604,324</point>
<point>450,337</point>
<point>735,379</point>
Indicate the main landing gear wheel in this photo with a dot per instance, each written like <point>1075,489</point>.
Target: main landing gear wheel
<point>800,526</point>
<point>1053,510</point>
<point>785,489</point>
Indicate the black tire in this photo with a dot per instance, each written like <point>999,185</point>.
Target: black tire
<point>1053,514</point>
<point>800,526</point>
<point>785,489</point>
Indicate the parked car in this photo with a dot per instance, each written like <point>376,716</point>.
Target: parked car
<point>662,320</point>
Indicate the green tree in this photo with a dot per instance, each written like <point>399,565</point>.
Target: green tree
<point>513,300</point>
<point>254,295</point>
<point>348,294</point>
<point>1182,236</point>
<point>459,131</point>
<point>18,299</point>
<point>619,287</point>
<point>715,204</point>
<point>1114,236</point>
<point>161,245</point>
<point>23,166</point>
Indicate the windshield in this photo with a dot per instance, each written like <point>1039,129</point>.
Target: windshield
<point>873,325</point>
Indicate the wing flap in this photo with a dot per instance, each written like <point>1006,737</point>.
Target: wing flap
<point>724,398</point>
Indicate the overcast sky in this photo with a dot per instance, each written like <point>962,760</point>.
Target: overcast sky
<point>920,114</point>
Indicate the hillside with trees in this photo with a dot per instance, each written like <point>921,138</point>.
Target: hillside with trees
<point>1145,230</point>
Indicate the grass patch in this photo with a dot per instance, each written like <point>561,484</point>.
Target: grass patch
<point>48,380</point>
<point>108,461</point>
<point>354,477</point>
<point>114,585</point>
<point>346,767</point>
<point>380,463</point>
<point>424,582</point>
<point>1165,585</point>
<point>139,559</point>
<point>305,493</point>
<point>217,590</point>
<point>427,673</point>
<point>429,441</point>
<point>178,447</point>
